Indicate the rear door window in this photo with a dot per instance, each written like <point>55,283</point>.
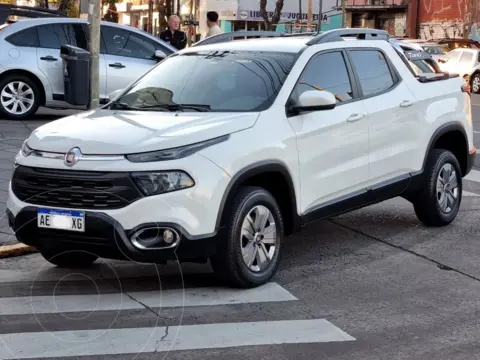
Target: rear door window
<point>373,71</point>
<point>53,36</point>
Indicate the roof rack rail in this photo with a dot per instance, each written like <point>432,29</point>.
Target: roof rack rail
<point>338,34</point>
<point>299,34</point>
<point>229,36</point>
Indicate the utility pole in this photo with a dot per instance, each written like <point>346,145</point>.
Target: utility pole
<point>343,13</point>
<point>94,16</point>
<point>320,15</point>
<point>310,15</point>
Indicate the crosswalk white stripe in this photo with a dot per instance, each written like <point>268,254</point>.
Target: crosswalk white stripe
<point>474,175</point>
<point>191,337</point>
<point>271,292</point>
<point>40,271</point>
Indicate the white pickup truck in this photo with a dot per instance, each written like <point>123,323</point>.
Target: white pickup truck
<point>222,150</point>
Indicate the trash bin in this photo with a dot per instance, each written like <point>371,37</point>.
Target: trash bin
<point>76,74</point>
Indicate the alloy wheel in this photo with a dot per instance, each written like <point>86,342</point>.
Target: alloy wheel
<point>17,98</point>
<point>447,188</point>
<point>476,84</point>
<point>258,239</point>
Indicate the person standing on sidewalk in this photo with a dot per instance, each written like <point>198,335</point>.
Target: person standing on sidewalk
<point>212,23</point>
<point>173,35</point>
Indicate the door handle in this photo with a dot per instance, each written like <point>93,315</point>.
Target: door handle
<point>406,103</point>
<point>355,117</point>
<point>117,65</point>
<point>48,58</point>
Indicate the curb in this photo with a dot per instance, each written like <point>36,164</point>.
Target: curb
<point>7,251</point>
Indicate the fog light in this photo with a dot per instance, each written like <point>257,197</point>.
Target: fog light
<point>168,236</point>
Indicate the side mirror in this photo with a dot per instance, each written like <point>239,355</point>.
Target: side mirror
<point>114,94</point>
<point>314,100</point>
<point>159,54</point>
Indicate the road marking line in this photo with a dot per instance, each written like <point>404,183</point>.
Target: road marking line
<point>145,340</point>
<point>476,132</point>
<point>466,193</point>
<point>474,175</point>
<point>270,292</point>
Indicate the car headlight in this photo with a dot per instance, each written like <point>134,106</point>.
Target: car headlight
<point>160,182</point>
<point>26,150</point>
<point>175,153</point>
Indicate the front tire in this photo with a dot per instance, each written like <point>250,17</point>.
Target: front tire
<point>69,259</point>
<point>250,254</point>
<point>438,203</point>
<point>19,97</point>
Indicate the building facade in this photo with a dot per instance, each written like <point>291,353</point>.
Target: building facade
<point>236,14</point>
<point>390,15</point>
<point>245,14</point>
<point>424,19</point>
<point>439,19</point>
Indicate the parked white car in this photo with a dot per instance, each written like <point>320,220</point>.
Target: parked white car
<point>31,70</point>
<point>463,61</point>
<point>222,150</point>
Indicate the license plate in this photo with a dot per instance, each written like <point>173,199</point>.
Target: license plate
<point>61,219</point>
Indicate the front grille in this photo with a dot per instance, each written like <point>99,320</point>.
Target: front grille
<point>74,189</point>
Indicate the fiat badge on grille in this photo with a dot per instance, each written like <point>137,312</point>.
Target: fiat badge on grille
<point>72,157</point>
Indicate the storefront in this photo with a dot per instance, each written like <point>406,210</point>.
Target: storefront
<point>245,14</point>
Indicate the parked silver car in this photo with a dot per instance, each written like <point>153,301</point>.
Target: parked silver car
<point>31,72</point>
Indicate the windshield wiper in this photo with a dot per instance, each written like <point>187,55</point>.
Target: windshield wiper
<point>177,107</point>
<point>125,106</point>
<point>121,106</point>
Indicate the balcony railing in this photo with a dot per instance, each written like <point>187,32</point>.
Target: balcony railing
<point>375,3</point>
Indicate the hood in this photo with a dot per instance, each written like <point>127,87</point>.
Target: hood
<point>107,132</point>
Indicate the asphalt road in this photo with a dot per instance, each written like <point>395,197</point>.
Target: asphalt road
<point>372,284</point>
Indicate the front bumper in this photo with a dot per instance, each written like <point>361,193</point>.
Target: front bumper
<point>106,238</point>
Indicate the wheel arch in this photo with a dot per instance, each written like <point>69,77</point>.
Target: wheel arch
<point>453,137</point>
<point>281,186</point>
<point>31,76</point>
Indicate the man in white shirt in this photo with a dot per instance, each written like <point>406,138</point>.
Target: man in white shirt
<point>212,23</point>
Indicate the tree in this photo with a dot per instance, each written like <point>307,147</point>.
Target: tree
<point>165,9</point>
<point>276,13</point>
<point>112,14</point>
<point>68,7</point>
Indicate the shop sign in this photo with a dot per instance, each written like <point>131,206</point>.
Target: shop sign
<point>254,15</point>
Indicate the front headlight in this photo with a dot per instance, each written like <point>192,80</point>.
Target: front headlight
<point>175,153</point>
<point>26,150</point>
<point>160,182</point>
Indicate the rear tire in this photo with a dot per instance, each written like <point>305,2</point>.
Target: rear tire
<point>69,259</point>
<point>438,202</point>
<point>250,254</point>
<point>19,97</point>
<point>476,83</point>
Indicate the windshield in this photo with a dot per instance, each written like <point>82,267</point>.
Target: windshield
<point>434,50</point>
<point>216,81</point>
